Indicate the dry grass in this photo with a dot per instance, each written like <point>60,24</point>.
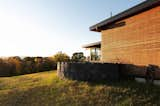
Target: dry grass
<point>46,89</point>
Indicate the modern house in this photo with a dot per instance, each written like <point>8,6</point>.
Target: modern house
<point>132,36</point>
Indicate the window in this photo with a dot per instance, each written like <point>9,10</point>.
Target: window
<point>95,54</point>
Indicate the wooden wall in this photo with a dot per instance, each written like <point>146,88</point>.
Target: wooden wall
<point>136,42</point>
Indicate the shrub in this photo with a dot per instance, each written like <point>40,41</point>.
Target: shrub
<point>61,57</point>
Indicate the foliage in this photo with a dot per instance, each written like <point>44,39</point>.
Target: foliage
<point>17,66</point>
<point>78,57</point>
<point>46,89</point>
<point>61,57</point>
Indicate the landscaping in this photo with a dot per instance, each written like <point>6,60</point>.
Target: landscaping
<point>46,89</point>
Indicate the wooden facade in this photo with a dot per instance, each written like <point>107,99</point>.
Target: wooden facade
<point>136,42</point>
<point>134,39</point>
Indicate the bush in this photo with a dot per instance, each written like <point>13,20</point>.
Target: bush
<point>78,57</point>
<point>61,57</point>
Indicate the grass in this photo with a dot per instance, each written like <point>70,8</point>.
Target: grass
<point>46,89</point>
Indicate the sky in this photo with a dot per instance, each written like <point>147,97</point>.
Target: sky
<point>45,27</point>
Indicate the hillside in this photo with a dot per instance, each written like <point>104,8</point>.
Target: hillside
<point>45,88</point>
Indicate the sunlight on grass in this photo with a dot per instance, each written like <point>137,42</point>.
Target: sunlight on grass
<point>45,88</point>
<point>27,81</point>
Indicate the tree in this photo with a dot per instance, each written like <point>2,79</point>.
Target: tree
<point>29,59</point>
<point>78,57</point>
<point>61,57</point>
<point>17,63</point>
<point>48,64</point>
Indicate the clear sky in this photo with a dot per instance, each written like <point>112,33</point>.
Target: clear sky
<point>44,27</point>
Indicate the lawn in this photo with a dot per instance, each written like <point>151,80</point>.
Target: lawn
<point>46,89</point>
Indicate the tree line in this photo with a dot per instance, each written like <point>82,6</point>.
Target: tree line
<point>16,65</point>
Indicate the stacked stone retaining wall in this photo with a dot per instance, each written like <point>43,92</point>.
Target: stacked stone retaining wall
<point>89,71</point>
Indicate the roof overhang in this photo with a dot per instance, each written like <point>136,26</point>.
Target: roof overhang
<point>148,4</point>
<point>93,45</point>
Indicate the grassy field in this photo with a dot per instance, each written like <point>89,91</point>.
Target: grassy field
<point>46,89</point>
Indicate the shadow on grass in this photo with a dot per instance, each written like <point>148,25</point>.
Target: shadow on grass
<point>147,93</point>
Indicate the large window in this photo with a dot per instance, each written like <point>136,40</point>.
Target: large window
<point>95,54</point>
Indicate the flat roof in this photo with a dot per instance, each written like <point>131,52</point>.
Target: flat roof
<point>92,45</point>
<point>144,6</point>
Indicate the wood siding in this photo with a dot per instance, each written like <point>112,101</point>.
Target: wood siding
<point>136,42</point>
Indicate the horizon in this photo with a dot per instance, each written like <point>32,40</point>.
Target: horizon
<point>43,28</point>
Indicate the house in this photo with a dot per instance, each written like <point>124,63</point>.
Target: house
<point>132,36</point>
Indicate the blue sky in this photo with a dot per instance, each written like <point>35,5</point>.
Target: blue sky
<point>44,27</point>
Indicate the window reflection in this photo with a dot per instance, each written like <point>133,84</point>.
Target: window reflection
<point>95,54</point>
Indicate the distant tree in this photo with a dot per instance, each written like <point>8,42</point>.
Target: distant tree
<point>38,59</point>
<point>29,59</point>
<point>4,69</point>
<point>16,66</point>
<point>17,63</point>
<point>29,65</point>
<point>61,57</point>
<point>48,64</point>
<point>15,58</point>
<point>78,57</point>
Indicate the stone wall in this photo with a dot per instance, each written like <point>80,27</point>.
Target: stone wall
<point>89,71</point>
<point>102,71</point>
